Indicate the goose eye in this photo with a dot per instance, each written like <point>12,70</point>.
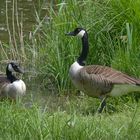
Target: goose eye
<point>79,30</point>
<point>14,66</point>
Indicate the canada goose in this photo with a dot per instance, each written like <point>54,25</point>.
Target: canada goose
<point>99,81</point>
<point>10,86</point>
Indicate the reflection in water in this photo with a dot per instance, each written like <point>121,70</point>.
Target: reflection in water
<point>19,11</point>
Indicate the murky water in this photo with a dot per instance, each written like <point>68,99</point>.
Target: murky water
<point>15,12</point>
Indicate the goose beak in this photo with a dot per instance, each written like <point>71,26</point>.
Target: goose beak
<point>70,34</point>
<point>20,70</point>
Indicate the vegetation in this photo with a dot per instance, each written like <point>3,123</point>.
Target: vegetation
<point>34,122</point>
<point>113,27</point>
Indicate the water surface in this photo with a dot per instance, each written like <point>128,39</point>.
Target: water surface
<point>14,13</point>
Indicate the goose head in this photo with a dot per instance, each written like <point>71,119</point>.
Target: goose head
<point>80,32</point>
<point>14,67</point>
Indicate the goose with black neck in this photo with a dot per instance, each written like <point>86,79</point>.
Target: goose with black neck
<point>96,80</point>
<point>10,86</point>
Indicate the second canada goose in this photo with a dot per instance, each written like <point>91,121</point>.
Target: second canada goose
<point>10,86</point>
<point>99,81</point>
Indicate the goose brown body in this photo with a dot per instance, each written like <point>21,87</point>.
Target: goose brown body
<point>97,81</point>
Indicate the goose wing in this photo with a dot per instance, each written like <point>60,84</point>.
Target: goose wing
<point>103,78</point>
<point>3,80</point>
<point>110,75</point>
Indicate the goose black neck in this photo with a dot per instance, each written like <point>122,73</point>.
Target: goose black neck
<point>10,76</point>
<point>85,49</point>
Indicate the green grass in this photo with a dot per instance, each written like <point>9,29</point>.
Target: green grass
<point>47,56</point>
<point>66,121</point>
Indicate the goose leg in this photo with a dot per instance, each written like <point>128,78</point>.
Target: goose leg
<point>102,104</point>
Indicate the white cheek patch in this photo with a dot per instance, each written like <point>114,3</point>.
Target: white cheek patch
<point>81,33</point>
<point>10,68</point>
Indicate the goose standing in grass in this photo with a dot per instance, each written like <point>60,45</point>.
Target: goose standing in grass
<point>10,86</point>
<point>99,81</point>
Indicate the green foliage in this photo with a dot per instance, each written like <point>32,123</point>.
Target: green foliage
<point>113,34</point>
<point>18,122</point>
<point>113,28</point>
